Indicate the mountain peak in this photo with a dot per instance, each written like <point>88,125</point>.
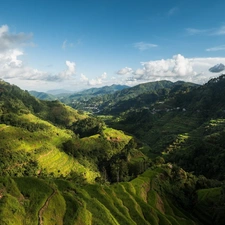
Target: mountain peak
<point>217,68</point>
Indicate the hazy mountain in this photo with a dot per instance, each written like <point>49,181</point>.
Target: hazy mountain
<point>43,95</point>
<point>137,96</point>
<point>217,68</point>
<point>102,90</point>
<point>59,92</point>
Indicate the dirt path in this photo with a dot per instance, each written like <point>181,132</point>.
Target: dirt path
<point>43,155</point>
<point>44,207</point>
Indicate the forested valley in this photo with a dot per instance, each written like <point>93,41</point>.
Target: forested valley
<point>149,154</point>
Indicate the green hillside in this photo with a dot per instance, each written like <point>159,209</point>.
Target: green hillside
<point>129,98</point>
<point>61,166</point>
<point>187,126</point>
<point>147,199</point>
<point>43,95</point>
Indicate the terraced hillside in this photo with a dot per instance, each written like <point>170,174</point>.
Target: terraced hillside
<point>144,200</point>
<point>42,147</point>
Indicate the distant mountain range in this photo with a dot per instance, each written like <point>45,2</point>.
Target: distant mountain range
<point>129,97</point>
<point>68,96</point>
<point>43,96</point>
<point>59,92</point>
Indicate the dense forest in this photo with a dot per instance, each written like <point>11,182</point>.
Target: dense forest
<point>149,154</point>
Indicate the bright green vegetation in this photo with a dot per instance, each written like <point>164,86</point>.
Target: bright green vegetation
<point>62,166</point>
<point>41,148</point>
<point>145,200</point>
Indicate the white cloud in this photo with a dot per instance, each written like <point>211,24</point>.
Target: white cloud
<point>217,48</point>
<point>177,68</point>
<point>10,64</point>
<point>125,71</point>
<point>98,80</point>
<point>64,75</point>
<point>104,75</point>
<point>144,46</point>
<point>3,30</point>
<point>83,78</point>
<point>93,82</point>
<point>210,32</point>
<point>220,31</point>
<point>193,31</point>
<point>182,66</point>
<point>12,67</point>
<point>9,41</point>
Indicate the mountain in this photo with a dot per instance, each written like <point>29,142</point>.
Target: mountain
<point>148,199</point>
<point>46,134</point>
<point>102,90</point>
<point>85,95</point>
<point>59,92</point>
<point>183,127</point>
<point>61,166</point>
<point>137,96</point>
<point>43,95</point>
<point>217,68</point>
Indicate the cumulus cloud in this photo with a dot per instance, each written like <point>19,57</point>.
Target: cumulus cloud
<point>182,66</point>
<point>177,68</point>
<point>98,80</point>
<point>125,71</point>
<point>93,82</point>
<point>64,75</point>
<point>144,46</point>
<point>83,78</point>
<point>217,68</point>
<point>12,67</point>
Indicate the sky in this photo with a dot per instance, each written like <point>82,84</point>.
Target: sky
<point>80,44</point>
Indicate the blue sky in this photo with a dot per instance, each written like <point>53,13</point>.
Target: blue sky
<point>74,45</point>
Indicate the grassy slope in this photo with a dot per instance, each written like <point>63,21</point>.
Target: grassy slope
<point>139,201</point>
<point>44,146</point>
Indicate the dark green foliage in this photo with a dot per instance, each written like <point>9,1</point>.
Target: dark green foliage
<point>15,120</point>
<point>127,98</point>
<point>81,100</point>
<point>14,101</point>
<point>17,164</point>
<point>87,127</point>
<point>187,126</point>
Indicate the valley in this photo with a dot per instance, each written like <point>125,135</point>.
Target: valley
<point>149,154</point>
